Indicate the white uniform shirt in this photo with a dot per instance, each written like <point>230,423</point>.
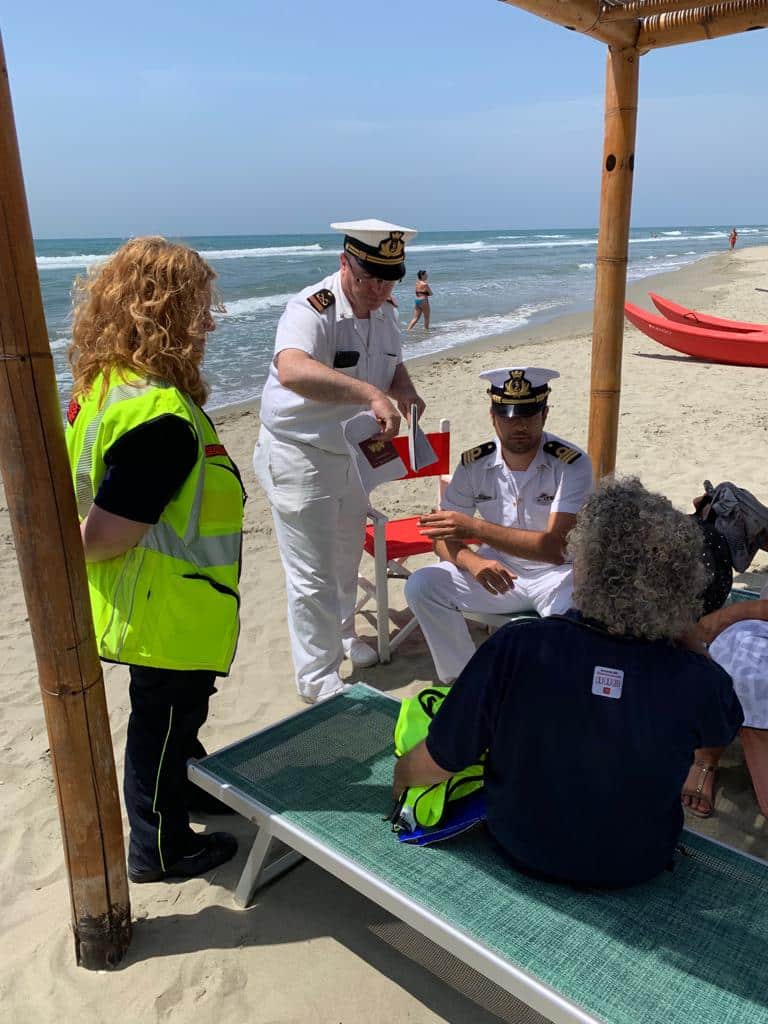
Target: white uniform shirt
<point>333,338</point>
<point>521,499</point>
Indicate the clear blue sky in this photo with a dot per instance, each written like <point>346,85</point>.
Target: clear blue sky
<point>243,117</point>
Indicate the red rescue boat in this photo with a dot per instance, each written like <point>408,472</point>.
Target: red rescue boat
<point>681,315</point>
<point>738,349</point>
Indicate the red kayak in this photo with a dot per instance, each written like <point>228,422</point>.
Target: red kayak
<point>681,315</point>
<point>739,349</point>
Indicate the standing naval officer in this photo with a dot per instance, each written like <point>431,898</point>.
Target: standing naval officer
<point>337,352</point>
<point>527,486</point>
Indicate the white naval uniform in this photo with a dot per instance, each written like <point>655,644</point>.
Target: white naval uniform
<point>557,480</point>
<point>301,461</point>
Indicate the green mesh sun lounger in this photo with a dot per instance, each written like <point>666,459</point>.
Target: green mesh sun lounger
<point>690,947</point>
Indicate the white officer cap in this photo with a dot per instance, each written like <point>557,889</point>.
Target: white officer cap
<point>519,390</point>
<point>377,245</point>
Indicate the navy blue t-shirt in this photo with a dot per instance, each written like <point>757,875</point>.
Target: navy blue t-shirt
<point>589,739</point>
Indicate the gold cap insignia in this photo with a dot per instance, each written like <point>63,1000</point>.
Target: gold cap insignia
<point>517,386</point>
<point>394,246</point>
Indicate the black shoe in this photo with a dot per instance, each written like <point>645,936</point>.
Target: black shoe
<point>214,849</point>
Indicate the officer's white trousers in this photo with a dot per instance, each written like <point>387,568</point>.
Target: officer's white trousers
<point>438,594</point>
<point>319,511</point>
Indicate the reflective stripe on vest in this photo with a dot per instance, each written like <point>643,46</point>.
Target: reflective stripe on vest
<point>203,552</point>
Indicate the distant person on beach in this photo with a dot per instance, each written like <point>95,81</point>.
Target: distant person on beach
<point>732,238</point>
<point>589,719</point>
<point>421,302</point>
<point>527,486</point>
<point>337,352</point>
<point>161,509</point>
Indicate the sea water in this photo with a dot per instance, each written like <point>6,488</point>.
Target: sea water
<point>484,283</point>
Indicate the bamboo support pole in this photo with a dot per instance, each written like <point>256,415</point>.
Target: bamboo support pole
<point>42,509</point>
<point>621,86</point>
<point>634,10</point>
<point>710,22</point>
<point>580,16</point>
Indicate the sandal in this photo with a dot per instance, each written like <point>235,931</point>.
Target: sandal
<point>698,793</point>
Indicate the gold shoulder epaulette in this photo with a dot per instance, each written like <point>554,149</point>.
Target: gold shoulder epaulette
<point>479,452</point>
<point>562,451</point>
<point>321,300</point>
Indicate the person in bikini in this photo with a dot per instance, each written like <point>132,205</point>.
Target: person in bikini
<point>421,303</point>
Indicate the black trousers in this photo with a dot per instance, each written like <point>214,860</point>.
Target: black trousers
<point>167,710</point>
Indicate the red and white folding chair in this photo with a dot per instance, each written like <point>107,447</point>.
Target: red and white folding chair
<point>390,542</point>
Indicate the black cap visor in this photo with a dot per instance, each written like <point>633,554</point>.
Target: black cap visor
<point>507,411</point>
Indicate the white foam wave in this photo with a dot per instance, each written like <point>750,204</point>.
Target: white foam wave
<point>550,236</point>
<point>676,234</point>
<point>255,304</point>
<point>508,236</point>
<point>452,247</point>
<point>586,266</point>
<point>69,262</point>
<point>458,332</point>
<point>86,259</point>
<point>260,252</point>
<point>59,343</point>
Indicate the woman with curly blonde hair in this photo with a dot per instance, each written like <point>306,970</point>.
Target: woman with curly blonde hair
<point>161,508</point>
<point>590,719</point>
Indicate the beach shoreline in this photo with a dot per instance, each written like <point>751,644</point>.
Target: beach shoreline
<point>685,283</point>
<point>311,950</point>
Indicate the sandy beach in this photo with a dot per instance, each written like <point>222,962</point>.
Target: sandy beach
<point>310,949</point>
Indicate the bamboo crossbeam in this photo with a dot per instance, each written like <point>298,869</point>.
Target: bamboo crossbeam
<point>710,22</point>
<point>41,503</point>
<point>638,9</point>
<point>621,90</point>
<point>580,16</point>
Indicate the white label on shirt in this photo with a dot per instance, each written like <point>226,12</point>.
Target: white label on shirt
<point>607,682</point>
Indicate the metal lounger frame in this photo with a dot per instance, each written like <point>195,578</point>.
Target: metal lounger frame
<point>258,871</point>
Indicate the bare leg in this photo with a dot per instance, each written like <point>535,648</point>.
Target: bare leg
<point>698,794</point>
<point>427,314</point>
<point>415,318</point>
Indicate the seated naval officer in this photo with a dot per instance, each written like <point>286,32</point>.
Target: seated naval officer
<point>337,352</point>
<point>527,487</point>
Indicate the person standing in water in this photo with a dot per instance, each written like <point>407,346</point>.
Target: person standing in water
<point>421,304</point>
<point>732,238</point>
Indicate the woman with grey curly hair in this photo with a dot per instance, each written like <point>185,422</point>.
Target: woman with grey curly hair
<point>590,719</point>
<point>639,565</point>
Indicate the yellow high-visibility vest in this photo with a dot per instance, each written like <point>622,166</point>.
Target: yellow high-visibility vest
<point>172,601</point>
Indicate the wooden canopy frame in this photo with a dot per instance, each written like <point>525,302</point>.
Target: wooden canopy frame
<point>39,489</point>
<point>629,29</point>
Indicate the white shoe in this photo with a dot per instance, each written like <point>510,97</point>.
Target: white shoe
<point>326,694</point>
<point>361,654</point>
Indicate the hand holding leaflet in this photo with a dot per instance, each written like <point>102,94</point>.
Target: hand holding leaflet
<point>375,460</point>
<point>420,451</point>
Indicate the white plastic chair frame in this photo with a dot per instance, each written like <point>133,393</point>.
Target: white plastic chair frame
<point>386,569</point>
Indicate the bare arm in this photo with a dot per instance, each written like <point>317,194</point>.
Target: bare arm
<point>106,535</point>
<point>713,624</point>
<point>309,378</point>
<point>537,545</point>
<point>417,768</point>
<point>404,393</point>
